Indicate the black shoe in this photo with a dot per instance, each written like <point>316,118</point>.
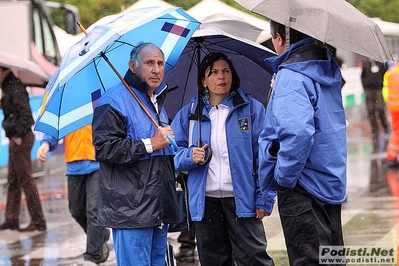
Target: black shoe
<point>392,164</point>
<point>185,255</point>
<point>105,255</point>
<point>89,260</point>
<point>33,227</point>
<point>9,225</point>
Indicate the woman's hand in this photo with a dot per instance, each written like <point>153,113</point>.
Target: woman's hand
<point>199,154</point>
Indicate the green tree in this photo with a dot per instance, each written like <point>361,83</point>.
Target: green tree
<point>185,4</point>
<point>93,10</point>
<point>387,10</point>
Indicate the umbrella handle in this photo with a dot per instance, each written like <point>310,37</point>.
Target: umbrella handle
<point>172,142</point>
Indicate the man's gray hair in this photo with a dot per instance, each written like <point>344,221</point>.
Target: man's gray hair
<point>136,51</point>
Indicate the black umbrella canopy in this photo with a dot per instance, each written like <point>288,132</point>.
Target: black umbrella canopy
<point>247,57</point>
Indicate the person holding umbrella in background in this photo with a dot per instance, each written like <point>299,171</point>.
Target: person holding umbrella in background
<point>302,148</point>
<point>137,196</point>
<point>225,202</point>
<point>17,124</point>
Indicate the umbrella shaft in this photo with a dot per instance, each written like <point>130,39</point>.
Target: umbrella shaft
<point>123,81</point>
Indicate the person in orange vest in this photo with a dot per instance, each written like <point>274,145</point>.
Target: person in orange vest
<point>391,97</point>
<point>83,175</point>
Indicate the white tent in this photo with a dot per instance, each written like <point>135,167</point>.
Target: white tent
<point>232,24</point>
<point>207,8</point>
<point>65,40</point>
<point>387,28</point>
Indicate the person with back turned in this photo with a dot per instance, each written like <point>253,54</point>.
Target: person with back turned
<point>82,177</point>
<point>303,148</point>
<point>372,77</point>
<point>17,124</point>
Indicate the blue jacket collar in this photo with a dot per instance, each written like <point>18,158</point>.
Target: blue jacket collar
<point>275,61</point>
<point>134,81</point>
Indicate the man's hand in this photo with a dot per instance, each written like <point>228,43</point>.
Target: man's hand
<point>17,141</point>
<point>42,151</point>
<point>159,140</point>
<point>260,214</point>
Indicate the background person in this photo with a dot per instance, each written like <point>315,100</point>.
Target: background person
<point>372,81</point>
<point>187,245</point>
<point>391,86</point>
<point>186,238</point>
<point>137,177</point>
<point>83,183</point>
<point>302,148</point>
<point>225,202</point>
<point>17,124</point>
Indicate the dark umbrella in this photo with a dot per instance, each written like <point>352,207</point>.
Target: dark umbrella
<point>247,57</point>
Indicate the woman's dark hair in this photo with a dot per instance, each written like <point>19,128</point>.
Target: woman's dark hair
<point>295,35</point>
<point>208,61</point>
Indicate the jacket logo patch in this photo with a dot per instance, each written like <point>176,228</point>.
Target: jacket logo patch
<point>243,124</point>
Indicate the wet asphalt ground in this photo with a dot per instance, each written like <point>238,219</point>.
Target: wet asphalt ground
<point>370,216</point>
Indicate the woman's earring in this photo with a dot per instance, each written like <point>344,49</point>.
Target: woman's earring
<point>206,94</point>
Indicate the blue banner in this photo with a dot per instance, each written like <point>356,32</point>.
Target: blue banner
<point>4,141</point>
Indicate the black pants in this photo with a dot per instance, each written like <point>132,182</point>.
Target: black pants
<point>376,111</point>
<point>187,238</point>
<point>307,224</point>
<point>223,239</point>
<point>83,206</point>
<point>20,179</point>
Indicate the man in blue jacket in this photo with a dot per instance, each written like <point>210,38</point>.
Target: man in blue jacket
<point>137,188</point>
<point>303,149</point>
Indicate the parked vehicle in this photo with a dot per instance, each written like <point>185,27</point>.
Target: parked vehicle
<point>28,31</point>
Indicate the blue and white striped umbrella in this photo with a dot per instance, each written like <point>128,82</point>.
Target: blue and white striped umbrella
<point>70,96</point>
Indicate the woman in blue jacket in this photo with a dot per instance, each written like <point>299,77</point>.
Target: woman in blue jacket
<point>225,202</point>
